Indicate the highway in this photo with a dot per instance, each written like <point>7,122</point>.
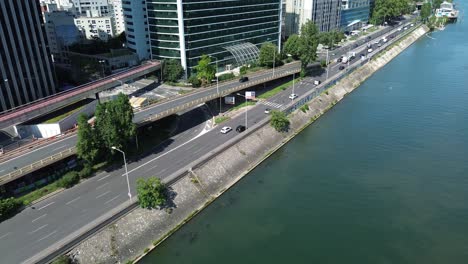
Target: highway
<point>33,230</point>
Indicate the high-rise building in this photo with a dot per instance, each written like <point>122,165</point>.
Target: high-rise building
<point>93,8</point>
<point>185,29</point>
<point>117,13</point>
<point>25,61</point>
<point>354,13</point>
<point>136,28</point>
<point>326,14</point>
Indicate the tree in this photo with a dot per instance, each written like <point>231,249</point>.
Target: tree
<point>426,10</point>
<point>331,38</point>
<point>87,147</point>
<point>151,192</point>
<point>114,122</point>
<point>268,55</point>
<point>194,81</point>
<point>279,121</point>
<point>9,207</point>
<point>309,41</point>
<point>205,70</point>
<point>292,46</point>
<point>172,70</point>
<point>385,9</point>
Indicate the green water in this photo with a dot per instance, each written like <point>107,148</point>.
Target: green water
<point>381,178</point>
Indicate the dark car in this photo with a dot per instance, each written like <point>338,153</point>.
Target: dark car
<point>341,68</point>
<point>244,79</point>
<point>340,59</point>
<point>240,128</point>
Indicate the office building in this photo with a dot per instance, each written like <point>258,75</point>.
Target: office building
<point>229,31</point>
<point>326,14</point>
<point>354,14</point>
<point>117,14</point>
<point>136,28</point>
<point>93,8</point>
<point>26,72</point>
<point>96,27</point>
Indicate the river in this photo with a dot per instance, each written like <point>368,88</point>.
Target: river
<point>380,178</point>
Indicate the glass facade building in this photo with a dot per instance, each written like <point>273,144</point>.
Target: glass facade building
<point>187,29</point>
<point>354,13</point>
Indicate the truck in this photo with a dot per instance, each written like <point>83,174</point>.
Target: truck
<point>344,60</point>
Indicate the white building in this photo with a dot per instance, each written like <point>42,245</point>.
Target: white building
<point>136,28</point>
<point>92,8</point>
<point>61,4</point>
<point>96,27</point>
<point>326,14</point>
<point>117,13</point>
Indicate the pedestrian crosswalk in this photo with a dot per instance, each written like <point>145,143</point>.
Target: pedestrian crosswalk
<point>271,104</point>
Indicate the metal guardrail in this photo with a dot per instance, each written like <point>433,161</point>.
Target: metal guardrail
<point>37,165</point>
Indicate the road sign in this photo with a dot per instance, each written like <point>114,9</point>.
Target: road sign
<point>250,95</point>
<point>230,100</point>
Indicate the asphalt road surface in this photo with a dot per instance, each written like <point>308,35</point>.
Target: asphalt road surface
<point>33,230</point>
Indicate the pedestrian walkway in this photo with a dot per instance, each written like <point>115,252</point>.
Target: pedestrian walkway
<point>271,104</point>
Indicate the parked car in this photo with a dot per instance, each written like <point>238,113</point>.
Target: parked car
<point>341,67</point>
<point>240,128</point>
<point>226,130</point>
<point>293,96</point>
<point>244,79</point>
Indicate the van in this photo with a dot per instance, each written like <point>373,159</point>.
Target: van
<point>316,82</point>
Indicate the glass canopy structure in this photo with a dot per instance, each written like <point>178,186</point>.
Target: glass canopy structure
<point>244,53</point>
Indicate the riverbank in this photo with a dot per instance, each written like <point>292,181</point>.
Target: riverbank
<point>140,230</point>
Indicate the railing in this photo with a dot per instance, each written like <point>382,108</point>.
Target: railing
<point>37,165</point>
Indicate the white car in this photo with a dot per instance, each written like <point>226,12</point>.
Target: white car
<point>399,29</point>
<point>370,50</point>
<point>293,96</point>
<point>412,25</point>
<point>226,130</point>
<point>267,111</point>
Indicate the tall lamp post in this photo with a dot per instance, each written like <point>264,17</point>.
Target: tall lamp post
<point>246,108</point>
<point>217,82</point>
<point>126,172</point>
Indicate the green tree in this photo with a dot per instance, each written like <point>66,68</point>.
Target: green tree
<point>426,10</point>
<point>309,41</point>
<point>114,122</point>
<point>172,70</point>
<point>292,46</point>
<point>9,207</point>
<point>205,70</point>
<point>151,192</point>
<point>436,3</point>
<point>386,9</point>
<point>194,81</point>
<point>64,259</point>
<point>279,121</point>
<point>87,147</point>
<point>268,55</point>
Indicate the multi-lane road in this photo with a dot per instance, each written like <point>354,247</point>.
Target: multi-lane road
<point>33,230</point>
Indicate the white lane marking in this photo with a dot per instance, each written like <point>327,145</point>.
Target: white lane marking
<point>104,177</point>
<point>55,231</point>
<point>101,195</point>
<point>34,231</point>
<point>35,219</point>
<point>73,200</point>
<point>100,186</point>
<point>151,168</point>
<point>58,148</point>
<point>45,206</point>
<point>162,155</point>
<point>112,199</point>
<point>5,235</point>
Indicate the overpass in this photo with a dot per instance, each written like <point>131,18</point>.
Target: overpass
<point>17,167</point>
<point>48,104</point>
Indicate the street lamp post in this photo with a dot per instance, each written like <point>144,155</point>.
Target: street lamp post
<point>274,61</point>
<point>292,98</point>
<point>246,108</point>
<point>126,172</point>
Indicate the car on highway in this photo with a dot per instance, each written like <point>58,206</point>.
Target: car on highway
<point>267,111</point>
<point>405,28</point>
<point>340,59</point>
<point>240,128</point>
<point>292,96</point>
<point>226,130</point>
<point>412,25</point>
<point>399,29</point>
<point>341,68</point>
<point>316,82</point>
<point>370,50</point>
<point>244,79</point>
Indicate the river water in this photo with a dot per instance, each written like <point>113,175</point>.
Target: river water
<point>380,178</point>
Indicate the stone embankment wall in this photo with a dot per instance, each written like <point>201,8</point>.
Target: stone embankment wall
<point>141,230</point>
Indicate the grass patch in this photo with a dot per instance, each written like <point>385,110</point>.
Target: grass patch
<point>244,104</point>
<point>277,89</point>
<point>62,116</point>
<point>184,91</point>
<point>221,119</point>
<point>34,195</point>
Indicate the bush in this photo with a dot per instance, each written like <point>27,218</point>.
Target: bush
<point>9,207</point>
<point>64,259</point>
<point>86,171</point>
<point>194,81</point>
<point>305,108</point>
<point>323,63</point>
<point>151,192</point>
<point>226,76</point>
<point>243,70</point>
<point>279,121</point>
<point>69,179</point>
